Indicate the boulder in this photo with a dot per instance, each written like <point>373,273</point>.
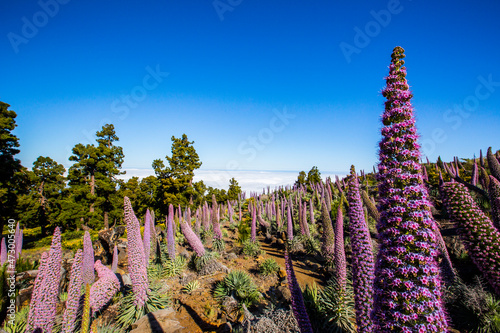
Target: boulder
<point>159,321</point>
<point>106,243</point>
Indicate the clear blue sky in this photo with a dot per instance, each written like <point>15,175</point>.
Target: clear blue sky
<point>68,69</point>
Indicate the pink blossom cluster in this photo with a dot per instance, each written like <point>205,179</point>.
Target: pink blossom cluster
<point>137,269</point>
<point>340,262</point>
<point>88,259</point>
<point>362,256</point>
<point>74,293</point>
<point>46,289</point>
<point>192,239</point>
<point>479,235</point>
<point>103,289</point>
<point>407,294</point>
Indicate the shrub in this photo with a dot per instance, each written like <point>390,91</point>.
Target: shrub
<point>251,248</point>
<point>239,285</point>
<point>269,267</point>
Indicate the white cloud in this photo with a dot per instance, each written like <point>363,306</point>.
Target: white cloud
<point>249,180</point>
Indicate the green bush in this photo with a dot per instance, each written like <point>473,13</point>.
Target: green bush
<point>239,285</point>
<point>269,267</point>
<point>251,248</point>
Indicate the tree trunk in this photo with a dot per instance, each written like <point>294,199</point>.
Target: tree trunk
<point>92,192</point>
<point>106,220</point>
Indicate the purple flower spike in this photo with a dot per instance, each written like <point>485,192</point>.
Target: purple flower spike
<point>340,262</point>
<point>476,230</point>
<point>407,287</point>
<point>253,233</point>
<point>3,252</point>
<point>170,233</point>
<point>298,307</point>
<point>74,292</point>
<point>290,223</point>
<point>88,259</point>
<point>215,219</point>
<point>328,237</point>
<point>193,239</point>
<point>494,194</point>
<point>137,269</point>
<point>362,256</point>
<point>146,240</point>
<point>104,289</point>
<point>114,263</point>
<point>46,290</point>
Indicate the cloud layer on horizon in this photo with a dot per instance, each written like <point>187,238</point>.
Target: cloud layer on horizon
<point>248,180</point>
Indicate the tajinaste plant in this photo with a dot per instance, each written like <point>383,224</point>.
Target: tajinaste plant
<point>215,219</point>
<point>171,233</point>
<point>104,289</point>
<point>114,263</point>
<point>493,164</point>
<point>137,269</point>
<point>328,237</point>
<point>193,239</point>
<point>362,256</point>
<point>74,293</point>
<point>3,252</point>
<point>88,259</point>
<point>289,229</point>
<point>298,307</point>
<point>146,239</point>
<point>253,232</point>
<point>46,290</point>
<point>407,295</point>
<point>340,262</point>
<point>494,194</point>
<point>311,211</point>
<point>476,230</point>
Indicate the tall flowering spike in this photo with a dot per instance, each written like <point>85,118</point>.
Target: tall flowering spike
<point>289,229</point>
<point>74,292</point>
<point>193,239</point>
<point>19,244</point>
<point>304,221</point>
<point>3,252</point>
<point>340,262</point>
<point>370,206</point>
<point>475,174</point>
<point>493,164</point>
<point>447,269</point>
<point>407,295</point>
<point>170,233</point>
<point>104,289</point>
<point>146,239</point>
<point>114,263</point>
<point>137,269</point>
<point>298,307</point>
<point>46,290</point>
<point>494,194</point>
<point>328,237</point>
<point>215,219</point>
<point>311,211</point>
<point>88,259</point>
<point>253,232</point>
<point>362,256</point>
<point>476,230</point>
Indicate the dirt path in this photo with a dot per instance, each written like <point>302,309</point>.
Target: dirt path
<point>305,273</point>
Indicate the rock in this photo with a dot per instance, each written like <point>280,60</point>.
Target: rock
<point>185,254</point>
<point>124,279</point>
<point>265,325</point>
<point>186,278</point>
<point>122,253</point>
<point>106,243</point>
<point>159,321</point>
<point>27,275</point>
<point>211,267</point>
<point>229,304</point>
<point>24,296</point>
<point>283,293</point>
<point>282,274</point>
<point>231,256</point>
<point>280,241</point>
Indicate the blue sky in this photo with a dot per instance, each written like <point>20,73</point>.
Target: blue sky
<point>258,85</point>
